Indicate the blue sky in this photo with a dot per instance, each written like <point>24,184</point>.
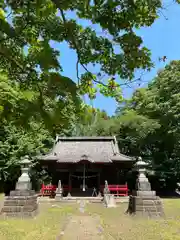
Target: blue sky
<point>162,38</point>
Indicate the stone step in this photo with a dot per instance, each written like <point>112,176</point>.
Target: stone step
<point>148,208</point>
<point>20,214</point>
<point>16,202</point>
<point>150,203</point>
<point>19,208</point>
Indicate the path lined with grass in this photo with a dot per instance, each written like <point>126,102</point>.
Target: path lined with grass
<point>71,222</point>
<point>82,227</point>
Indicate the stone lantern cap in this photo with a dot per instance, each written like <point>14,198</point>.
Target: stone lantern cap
<point>140,163</point>
<point>25,161</point>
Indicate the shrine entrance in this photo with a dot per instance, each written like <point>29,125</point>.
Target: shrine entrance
<point>84,181</point>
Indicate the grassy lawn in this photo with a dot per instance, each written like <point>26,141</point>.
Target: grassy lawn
<point>46,225</point>
<point>119,226</point>
<point>115,224</point>
<point>1,196</point>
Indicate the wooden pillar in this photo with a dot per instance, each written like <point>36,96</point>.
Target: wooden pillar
<point>99,184</point>
<point>99,180</point>
<point>117,176</point>
<point>69,184</point>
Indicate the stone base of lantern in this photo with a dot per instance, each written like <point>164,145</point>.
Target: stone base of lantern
<point>58,196</point>
<point>109,201</point>
<point>146,203</point>
<point>20,203</point>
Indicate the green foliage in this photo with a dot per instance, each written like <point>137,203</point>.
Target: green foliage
<point>28,27</point>
<point>151,124</point>
<point>148,125</point>
<point>36,97</point>
<point>15,143</point>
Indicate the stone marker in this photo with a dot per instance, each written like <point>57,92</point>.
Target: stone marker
<point>108,199</point>
<point>59,192</point>
<point>143,200</point>
<point>23,201</point>
<point>82,206</point>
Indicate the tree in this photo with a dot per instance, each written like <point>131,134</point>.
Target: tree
<point>27,57</point>
<point>89,121</point>
<point>15,143</point>
<point>151,124</point>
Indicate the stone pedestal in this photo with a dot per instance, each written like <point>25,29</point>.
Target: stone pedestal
<point>20,203</point>
<point>146,204</point>
<point>108,199</point>
<point>59,192</point>
<point>143,201</point>
<point>23,201</point>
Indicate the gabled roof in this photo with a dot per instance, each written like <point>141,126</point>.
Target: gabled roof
<point>93,149</point>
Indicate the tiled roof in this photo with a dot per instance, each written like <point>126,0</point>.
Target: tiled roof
<point>93,149</point>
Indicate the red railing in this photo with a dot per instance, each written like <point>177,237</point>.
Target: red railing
<point>49,190</point>
<point>117,190</point>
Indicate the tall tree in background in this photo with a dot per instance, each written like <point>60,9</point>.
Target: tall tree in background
<point>29,61</point>
<point>149,124</point>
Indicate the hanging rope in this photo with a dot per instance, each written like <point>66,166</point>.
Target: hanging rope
<point>81,177</point>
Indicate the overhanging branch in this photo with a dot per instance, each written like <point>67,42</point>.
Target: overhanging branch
<point>57,4</point>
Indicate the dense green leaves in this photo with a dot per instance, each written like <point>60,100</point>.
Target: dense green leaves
<point>27,27</point>
<point>35,95</point>
<point>15,143</point>
<point>148,125</point>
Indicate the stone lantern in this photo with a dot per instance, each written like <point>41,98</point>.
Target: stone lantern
<point>143,200</point>
<point>22,202</point>
<point>142,183</point>
<point>24,182</point>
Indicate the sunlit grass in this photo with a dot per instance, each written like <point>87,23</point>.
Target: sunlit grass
<point>124,227</point>
<point>115,224</point>
<point>47,225</point>
<point>1,196</point>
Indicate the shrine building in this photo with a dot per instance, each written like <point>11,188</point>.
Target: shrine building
<point>84,163</point>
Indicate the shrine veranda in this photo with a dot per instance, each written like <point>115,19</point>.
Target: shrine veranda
<point>84,163</point>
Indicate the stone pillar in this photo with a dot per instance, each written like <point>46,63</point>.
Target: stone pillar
<point>108,199</point>
<point>59,192</point>
<point>23,201</point>
<point>143,200</point>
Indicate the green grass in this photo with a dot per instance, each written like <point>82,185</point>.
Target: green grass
<point>117,225</point>
<point>1,196</point>
<point>48,224</point>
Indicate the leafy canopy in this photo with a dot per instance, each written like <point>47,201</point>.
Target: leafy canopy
<point>27,29</point>
<point>148,124</point>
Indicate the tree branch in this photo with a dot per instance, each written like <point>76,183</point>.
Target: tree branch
<point>57,4</point>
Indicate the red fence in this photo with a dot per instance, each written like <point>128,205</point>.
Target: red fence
<point>50,190</point>
<point>117,190</point>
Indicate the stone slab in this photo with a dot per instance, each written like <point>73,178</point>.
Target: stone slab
<point>23,193</point>
<point>144,206</point>
<point>144,193</point>
<point>19,214</point>
<point>143,185</point>
<point>20,204</point>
